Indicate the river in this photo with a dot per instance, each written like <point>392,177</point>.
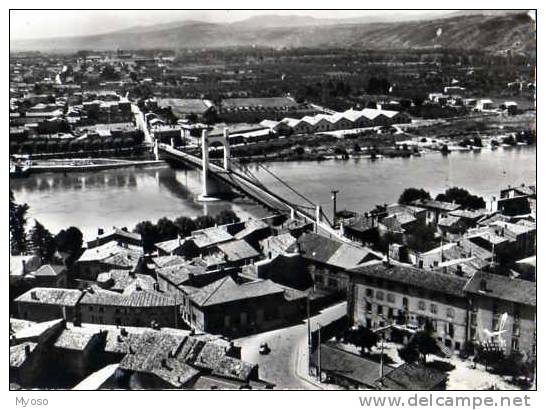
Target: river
<point>123,197</point>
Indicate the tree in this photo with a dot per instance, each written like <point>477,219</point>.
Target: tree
<point>204,221</point>
<point>421,238</point>
<point>185,226</point>
<point>424,343</point>
<point>226,216</point>
<point>70,241</point>
<point>42,242</point>
<point>412,194</point>
<point>408,354</point>
<point>462,197</point>
<point>149,234</point>
<point>362,337</point>
<point>166,229</point>
<point>17,223</point>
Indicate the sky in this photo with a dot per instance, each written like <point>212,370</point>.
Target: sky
<point>26,24</point>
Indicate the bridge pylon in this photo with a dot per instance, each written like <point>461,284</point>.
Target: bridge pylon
<point>205,141</point>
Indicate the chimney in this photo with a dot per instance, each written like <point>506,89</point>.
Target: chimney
<point>24,263</point>
<point>34,295</point>
<point>100,231</point>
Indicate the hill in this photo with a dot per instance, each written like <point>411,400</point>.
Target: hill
<point>472,32</point>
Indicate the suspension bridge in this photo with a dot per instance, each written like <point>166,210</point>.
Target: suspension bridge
<point>242,179</point>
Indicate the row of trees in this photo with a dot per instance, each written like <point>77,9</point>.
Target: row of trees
<point>35,146</point>
<point>457,195</point>
<point>166,229</point>
<point>39,240</point>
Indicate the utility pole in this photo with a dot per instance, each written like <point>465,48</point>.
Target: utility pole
<point>334,199</point>
<point>318,356</point>
<point>309,341</point>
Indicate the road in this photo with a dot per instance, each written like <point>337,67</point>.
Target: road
<point>286,364</point>
<point>141,124</point>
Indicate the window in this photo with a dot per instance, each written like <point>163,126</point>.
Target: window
<point>390,298</point>
<point>450,313</point>
<point>369,293</point>
<point>391,313</point>
<point>433,308</point>
<point>379,295</point>
<point>515,344</point>
<point>405,302</point>
<point>421,305</point>
<point>379,309</point>
<point>369,308</point>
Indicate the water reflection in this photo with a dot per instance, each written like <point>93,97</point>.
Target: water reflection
<point>123,197</point>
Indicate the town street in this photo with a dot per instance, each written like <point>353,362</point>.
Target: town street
<point>285,365</point>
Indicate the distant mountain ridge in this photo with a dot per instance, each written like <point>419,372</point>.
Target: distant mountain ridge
<point>473,30</point>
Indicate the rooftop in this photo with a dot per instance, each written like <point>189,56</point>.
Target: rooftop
<point>349,365</point>
<point>439,205</point>
<point>74,339</point>
<point>210,236</point>
<point>114,254</point>
<point>412,377</point>
<point>183,106</point>
<point>411,276</point>
<point>503,287</point>
<point>226,290</point>
<point>138,298</point>
<point>51,296</point>
<point>18,354</point>
<point>237,250</point>
<point>49,270</point>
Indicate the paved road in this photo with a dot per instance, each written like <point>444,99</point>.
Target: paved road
<point>141,124</point>
<point>287,344</point>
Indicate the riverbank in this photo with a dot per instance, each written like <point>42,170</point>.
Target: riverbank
<point>87,165</point>
<point>123,197</point>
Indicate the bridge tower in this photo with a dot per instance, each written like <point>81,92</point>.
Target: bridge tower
<point>206,140</point>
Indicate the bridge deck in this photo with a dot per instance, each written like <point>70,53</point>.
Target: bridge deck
<point>250,188</point>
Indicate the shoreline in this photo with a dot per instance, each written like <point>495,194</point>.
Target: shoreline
<point>91,167</point>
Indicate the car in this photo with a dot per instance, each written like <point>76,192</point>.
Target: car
<point>264,348</point>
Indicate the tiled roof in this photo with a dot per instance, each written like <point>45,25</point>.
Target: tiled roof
<point>411,377</point>
<point>74,339</point>
<point>449,221</point>
<point>49,270</point>
<point>139,298</point>
<point>227,290</point>
<point>113,254</point>
<point>329,251</point>
<point>178,274</point>
<point>168,260</point>
<point>210,236</point>
<point>177,358</point>
<point>170,245</point>
<point>18,355</point>
<point>504,288</point>
<point>238,250</point>
<point>251,226</point>
<point>440,205</point>
<point>51,296</point>
<point>360,223</point>
<point>258,102</point>
<point>36,330</point>
<point>411,276</point>
<point>183,106</point>
<point>119,232</point>
<point>280,242</point>
<point>121,280</point>
<point>348,365</point>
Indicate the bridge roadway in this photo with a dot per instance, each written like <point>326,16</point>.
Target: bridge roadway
<point>248,187</point>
